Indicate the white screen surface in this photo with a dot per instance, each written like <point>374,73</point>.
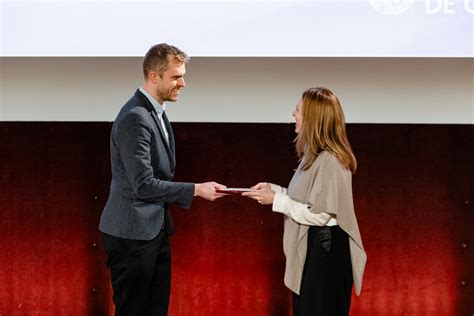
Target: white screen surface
<point>222,28</point>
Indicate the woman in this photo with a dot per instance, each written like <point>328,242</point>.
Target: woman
<point>321,242</point>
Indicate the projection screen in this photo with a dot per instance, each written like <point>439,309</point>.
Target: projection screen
<point>239,28</point>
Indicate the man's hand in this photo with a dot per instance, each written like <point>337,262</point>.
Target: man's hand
<point>207,190</point>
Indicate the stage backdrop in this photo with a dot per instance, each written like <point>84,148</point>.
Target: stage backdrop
<point>413,197</point>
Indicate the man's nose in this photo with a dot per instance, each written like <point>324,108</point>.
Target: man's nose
<point>181,82</point>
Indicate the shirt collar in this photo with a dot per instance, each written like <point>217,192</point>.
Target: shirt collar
<point>159,108</point>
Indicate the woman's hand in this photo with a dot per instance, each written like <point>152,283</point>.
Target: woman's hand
<point>262,186</point>
<point>262,193</point>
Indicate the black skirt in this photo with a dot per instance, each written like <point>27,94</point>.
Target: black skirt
<point>326,286</point>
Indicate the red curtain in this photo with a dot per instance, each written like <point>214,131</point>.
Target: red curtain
<point>412,191</point>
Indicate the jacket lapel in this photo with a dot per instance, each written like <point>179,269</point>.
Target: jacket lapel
<point>170,134</point>
<point>169,146</point>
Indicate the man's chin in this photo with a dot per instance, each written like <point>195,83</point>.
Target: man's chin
<point>172,99</point>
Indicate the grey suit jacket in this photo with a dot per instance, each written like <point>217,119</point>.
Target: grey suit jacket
<point>143,167</point>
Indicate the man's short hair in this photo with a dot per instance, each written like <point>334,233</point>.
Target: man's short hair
<point>158,57</point>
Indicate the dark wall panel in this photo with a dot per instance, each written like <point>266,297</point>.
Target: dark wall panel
<point>413,197</point>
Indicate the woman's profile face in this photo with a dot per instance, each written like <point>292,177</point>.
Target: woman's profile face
<point>298,115</point>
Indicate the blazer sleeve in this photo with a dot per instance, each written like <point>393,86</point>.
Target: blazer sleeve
<point>133,140</point>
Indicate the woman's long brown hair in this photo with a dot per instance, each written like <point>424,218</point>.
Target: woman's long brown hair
<point>323,128</point>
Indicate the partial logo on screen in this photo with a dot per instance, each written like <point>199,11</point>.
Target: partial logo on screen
<point>391,7</point>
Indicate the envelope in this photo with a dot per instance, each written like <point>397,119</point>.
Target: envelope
<point>233,190</point>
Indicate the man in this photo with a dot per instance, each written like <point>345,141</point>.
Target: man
<point>136,221</point>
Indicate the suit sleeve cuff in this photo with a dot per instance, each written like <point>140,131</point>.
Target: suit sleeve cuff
<point>187,196</point>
